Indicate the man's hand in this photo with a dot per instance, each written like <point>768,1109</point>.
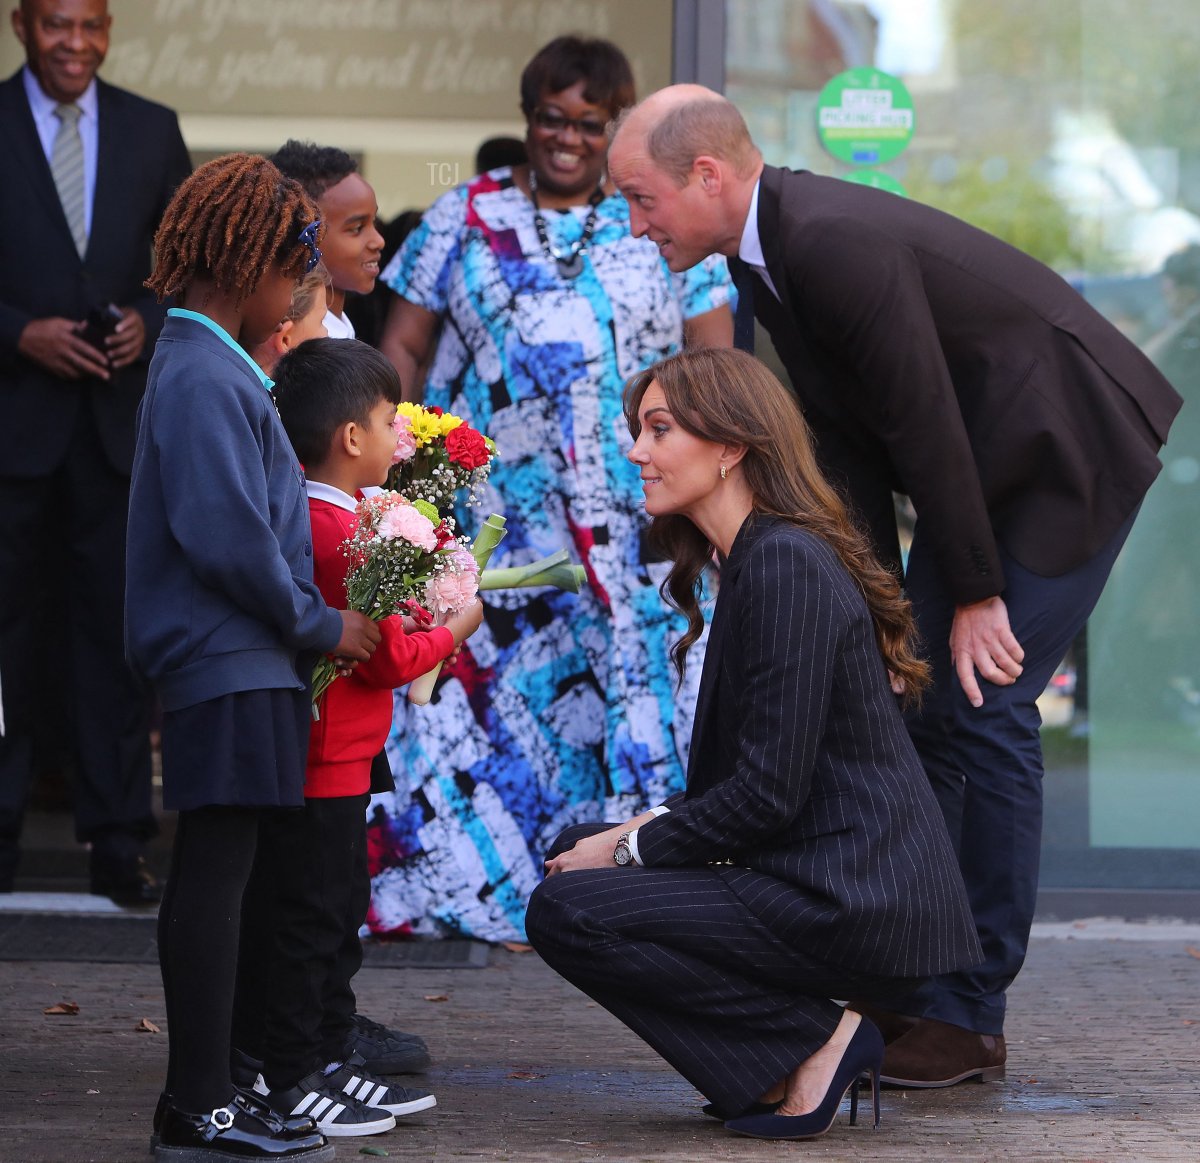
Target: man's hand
<point>359,638</point>
<point>981,639</point>
<point>56,345</point>
<point>125,344</point>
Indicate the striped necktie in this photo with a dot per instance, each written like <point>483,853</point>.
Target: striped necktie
<point>66,164</point>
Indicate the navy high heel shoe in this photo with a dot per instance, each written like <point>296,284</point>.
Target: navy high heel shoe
<point>864,1052</point>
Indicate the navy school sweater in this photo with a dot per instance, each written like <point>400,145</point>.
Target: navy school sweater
<point>219,593</point>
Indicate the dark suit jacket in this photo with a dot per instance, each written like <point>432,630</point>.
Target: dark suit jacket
<point>801,769</point>
<point>141,159</point>
<point>934,359</point>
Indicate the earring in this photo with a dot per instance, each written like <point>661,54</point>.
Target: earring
<point>724,474</point>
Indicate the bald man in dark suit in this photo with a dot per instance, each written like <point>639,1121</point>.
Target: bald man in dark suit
<point>933,360</point>
<point>89,169</point>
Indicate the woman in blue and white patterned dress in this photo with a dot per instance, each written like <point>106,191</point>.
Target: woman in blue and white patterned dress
<point>538,304</point>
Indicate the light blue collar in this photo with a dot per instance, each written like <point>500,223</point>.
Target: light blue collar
<point>224,337</point>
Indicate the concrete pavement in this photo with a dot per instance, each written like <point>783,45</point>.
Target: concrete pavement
<point>1104,1064</point>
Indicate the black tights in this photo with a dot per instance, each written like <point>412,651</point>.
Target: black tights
<point>198,949</point>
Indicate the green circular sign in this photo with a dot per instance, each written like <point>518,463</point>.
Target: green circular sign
<point>865,117</point>
<point>877,180</point>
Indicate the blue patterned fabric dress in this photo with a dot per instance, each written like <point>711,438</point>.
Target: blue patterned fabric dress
<point>562,708</point>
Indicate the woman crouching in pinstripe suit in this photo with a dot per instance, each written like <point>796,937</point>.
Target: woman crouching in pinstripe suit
<point>807,859</point>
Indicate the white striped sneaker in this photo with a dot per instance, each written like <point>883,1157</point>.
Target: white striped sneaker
<point>335,1112</point>
<point>352,1079</point>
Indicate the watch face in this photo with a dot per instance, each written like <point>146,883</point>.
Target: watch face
<point>621,853</point>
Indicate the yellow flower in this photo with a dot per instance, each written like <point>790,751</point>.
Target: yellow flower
<point>449,422</point>
<point>426,425</point>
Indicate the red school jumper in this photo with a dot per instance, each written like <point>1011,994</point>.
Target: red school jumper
<point>356,712</point>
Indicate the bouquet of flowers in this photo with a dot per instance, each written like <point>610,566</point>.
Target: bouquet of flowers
<point>437,454</point>
<point>404,558</point>
<point>420,690</point>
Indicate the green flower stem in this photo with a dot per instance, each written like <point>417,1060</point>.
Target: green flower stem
<point>325,672</point>
<point>555,570</point>
<point>489,536</point>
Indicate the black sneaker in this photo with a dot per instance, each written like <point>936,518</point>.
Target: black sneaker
<point>336,1113</point>
<point>233,1131</point>
<point>386,1051</point>
<point>353,1078</point>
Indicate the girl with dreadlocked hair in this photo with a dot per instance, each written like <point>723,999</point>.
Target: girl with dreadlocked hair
<point>223,619</point>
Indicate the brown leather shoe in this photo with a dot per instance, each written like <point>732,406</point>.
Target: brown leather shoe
<point>890,1024</point>
<point>936,1054</point>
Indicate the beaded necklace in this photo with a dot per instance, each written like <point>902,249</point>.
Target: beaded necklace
<point>569,263</point>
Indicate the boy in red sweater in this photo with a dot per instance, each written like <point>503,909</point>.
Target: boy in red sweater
<point>337,400</point>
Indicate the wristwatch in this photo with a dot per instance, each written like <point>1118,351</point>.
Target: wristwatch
<point>622,853</point>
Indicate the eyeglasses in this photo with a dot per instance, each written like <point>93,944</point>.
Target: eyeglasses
<point>308,237</point>
<point>554,122</point>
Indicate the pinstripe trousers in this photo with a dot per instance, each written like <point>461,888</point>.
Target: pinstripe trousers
<point>676,955</point>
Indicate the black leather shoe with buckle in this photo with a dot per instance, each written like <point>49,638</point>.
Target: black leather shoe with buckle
<point>234,1131</point>
<point>296,1124</point>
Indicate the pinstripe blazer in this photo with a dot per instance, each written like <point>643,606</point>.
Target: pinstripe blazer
<point>801,769</point>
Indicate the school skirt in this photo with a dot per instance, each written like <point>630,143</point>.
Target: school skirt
<point>245,749</point>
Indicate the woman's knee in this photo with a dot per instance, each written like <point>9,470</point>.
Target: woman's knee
<point>544,915</point>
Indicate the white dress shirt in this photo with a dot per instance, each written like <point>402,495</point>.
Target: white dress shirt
<point>750,249</point>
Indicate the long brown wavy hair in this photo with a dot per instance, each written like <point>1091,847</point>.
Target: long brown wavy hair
<point>728,397</point>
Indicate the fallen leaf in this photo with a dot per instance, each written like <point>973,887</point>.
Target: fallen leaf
<point>437,997</point>
<point>1193,952</point>
<point>92,1092</point>
<point>526,1075</point>
<point>146,1026</point>
<point>372,1151</point>
<point>517,947</point>
<point>1188,1022</point>
<point>63,1007</point>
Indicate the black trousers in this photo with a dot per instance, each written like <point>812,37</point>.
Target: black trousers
<point>676,955</point>
<point>309,894</point>
<point>62,594</point>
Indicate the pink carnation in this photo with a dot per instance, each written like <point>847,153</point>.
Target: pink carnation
<point>406,442</point>
<point>463,561</point>
<point>449,591</point>
<point>404,523</point>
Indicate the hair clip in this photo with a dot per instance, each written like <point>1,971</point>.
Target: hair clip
<point>308,236</point>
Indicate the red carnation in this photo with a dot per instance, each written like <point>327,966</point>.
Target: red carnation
<point>466,448</point>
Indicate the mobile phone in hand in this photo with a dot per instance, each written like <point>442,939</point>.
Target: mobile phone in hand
<point>101,322</point>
